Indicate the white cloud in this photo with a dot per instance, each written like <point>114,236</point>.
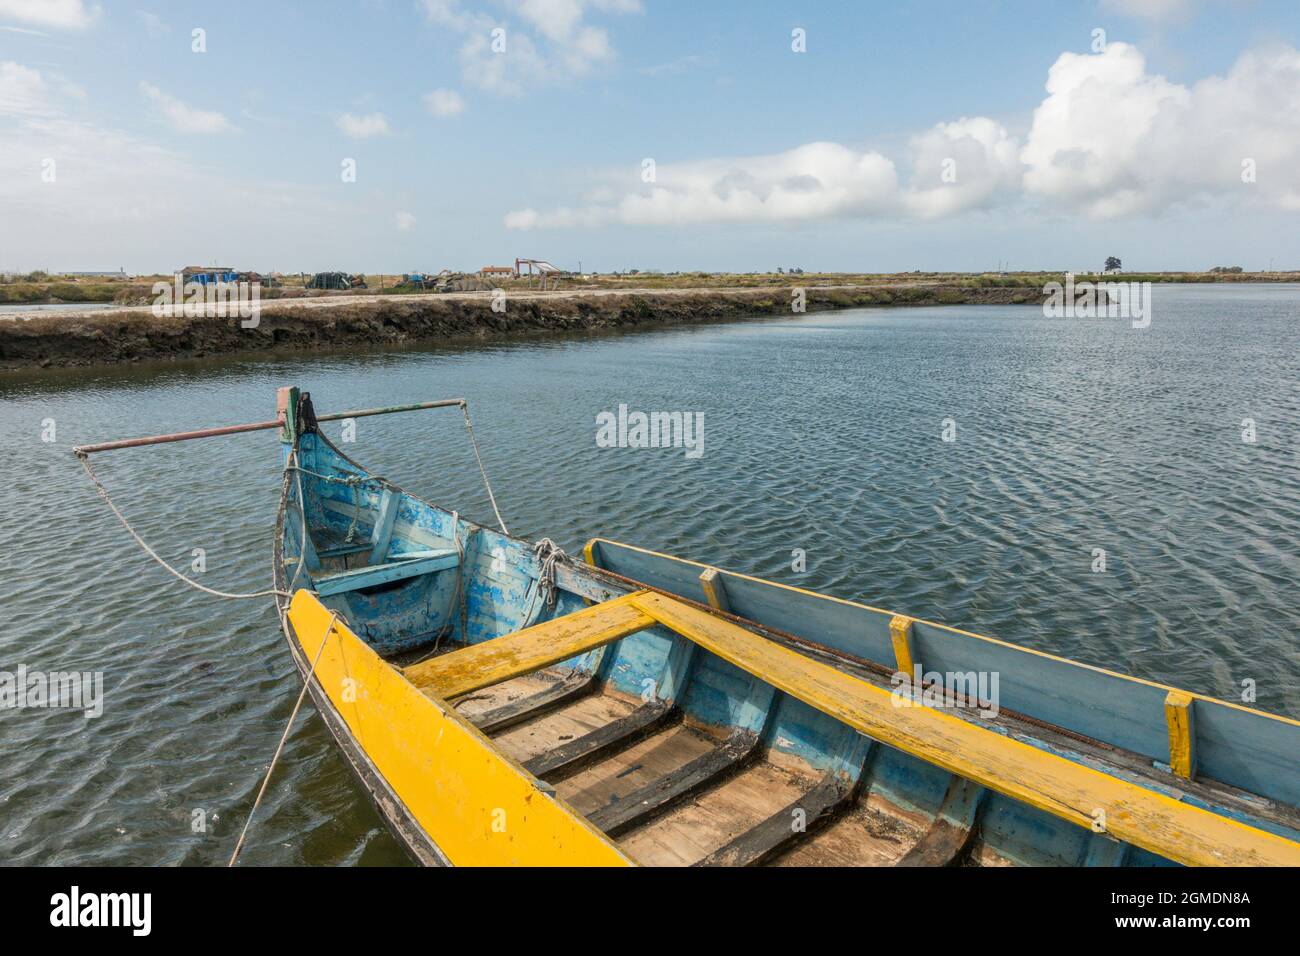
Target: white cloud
<point>115,187</point>
<point>556,43</point>
<point>448,13</point>
<point>522,67</point>
<point>810,182</point>
<point>1089,142</point>
<point>153,24</point>
<point>23,92</point>
<point>444,103</point>
<point>1109,139</point>
<point>1112,139</point>
<point>523,219</point>
<point>72,14</point>
<point>183,118</point>
<point>556,19</point>
<point>405,222</point>
<point>814,181</point>
<point>362,127</point>
<point>967,164</point>
<point>27,92</point>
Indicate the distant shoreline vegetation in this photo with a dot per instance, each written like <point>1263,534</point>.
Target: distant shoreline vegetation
<point>42,288</point>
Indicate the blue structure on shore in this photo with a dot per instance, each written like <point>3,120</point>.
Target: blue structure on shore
<point>209,275</point>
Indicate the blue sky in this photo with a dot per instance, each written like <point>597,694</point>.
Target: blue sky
<point>834,158</point>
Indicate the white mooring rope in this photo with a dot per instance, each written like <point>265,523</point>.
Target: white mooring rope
<point>469,427</point>
<point>103,493</point>
<point>354,480</point>
<point>283,737</point>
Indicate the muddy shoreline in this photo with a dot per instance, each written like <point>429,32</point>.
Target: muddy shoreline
<point>119,336</point>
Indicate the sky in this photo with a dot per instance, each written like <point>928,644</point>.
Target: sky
<point>416,135</point>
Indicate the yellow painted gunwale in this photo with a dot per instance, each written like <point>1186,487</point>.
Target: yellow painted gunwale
<point>476,804</point>
<point>1076,793</point>
<point>589,552</point>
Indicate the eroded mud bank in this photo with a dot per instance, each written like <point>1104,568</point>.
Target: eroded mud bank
<point>133,335</point>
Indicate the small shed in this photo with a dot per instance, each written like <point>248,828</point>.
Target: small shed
<point>206,275</point>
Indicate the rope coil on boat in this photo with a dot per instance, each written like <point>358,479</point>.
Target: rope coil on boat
<point>548,553</point>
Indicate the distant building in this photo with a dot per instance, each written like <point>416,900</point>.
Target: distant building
<point>489,271</point>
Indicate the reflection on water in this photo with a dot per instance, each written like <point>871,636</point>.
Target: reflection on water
<point>823,433</point>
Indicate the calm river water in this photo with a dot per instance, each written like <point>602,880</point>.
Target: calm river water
<point>822,432</point>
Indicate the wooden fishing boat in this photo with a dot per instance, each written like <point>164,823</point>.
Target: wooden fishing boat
<point>506,704</point>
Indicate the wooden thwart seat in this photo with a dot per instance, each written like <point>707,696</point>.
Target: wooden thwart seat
<point>497,660</point>
<point>343,550</point>
<point>1079,794</point>
<point>756,846</point>
<point>381,567</point>
<point>953,827</point>
<point>516,712</point>
<point>707,770</point>
<point>398,569</point>
<point>570,757</point>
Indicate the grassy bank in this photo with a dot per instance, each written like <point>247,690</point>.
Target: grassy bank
<point>38,289</point>
<point>36,293</point>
